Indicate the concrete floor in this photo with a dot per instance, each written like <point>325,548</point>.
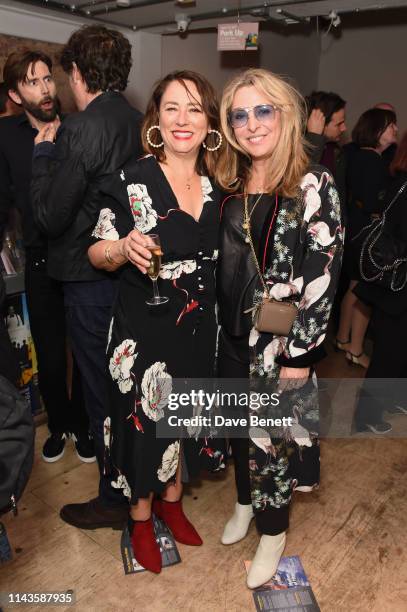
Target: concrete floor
<point>350,535</point>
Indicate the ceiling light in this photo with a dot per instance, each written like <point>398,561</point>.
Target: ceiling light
<point>335,19</point>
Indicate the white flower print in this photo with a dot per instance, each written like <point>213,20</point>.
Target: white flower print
<point>104,228</point>
<point>174,269</point>
<point>144,215</point>
<point>121,364</point>
<point>155,387</point>
<point>214,256</point>
<point>254,336</point>
<point>109,335</point>
<point>121,483</point>
<point>106,431</point>
<point>206,189</point>
<point>270,353</point>
<point>169,462</point>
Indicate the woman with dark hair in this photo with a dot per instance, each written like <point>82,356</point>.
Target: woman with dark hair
<point>166,196</point>
<point>374,132</point>
<point>389,318</point>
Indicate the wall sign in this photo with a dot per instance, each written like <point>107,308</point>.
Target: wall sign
<point>238,36</point>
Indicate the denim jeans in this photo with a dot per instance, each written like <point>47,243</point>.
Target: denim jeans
<point>88,308</point>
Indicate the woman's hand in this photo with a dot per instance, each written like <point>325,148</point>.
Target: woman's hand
<point>49,132</point>
<point>134,249</point>
<point>292,378</point>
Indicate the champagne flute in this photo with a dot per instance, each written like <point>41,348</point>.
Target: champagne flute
<point>154,246</point>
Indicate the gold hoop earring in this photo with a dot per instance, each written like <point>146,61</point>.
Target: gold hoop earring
<point>219,144</point>
<point>150,142</point>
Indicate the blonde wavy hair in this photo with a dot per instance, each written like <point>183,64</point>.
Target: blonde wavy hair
<point>289,160</point>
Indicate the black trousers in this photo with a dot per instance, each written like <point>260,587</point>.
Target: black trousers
<point>389,360</point>
<point>233,362</point>
<point>46,311</point>
<point>88,312</point>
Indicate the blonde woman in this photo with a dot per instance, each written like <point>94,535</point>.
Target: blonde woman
<point>285,214</point>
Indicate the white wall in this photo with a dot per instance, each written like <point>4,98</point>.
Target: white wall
<point>296,56</point>
<point>18,20</point>
<point>365,66</point>
<point>146,69</point>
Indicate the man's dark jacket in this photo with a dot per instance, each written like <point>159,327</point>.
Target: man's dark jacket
<point>316,144</point>
<point>66,178</point>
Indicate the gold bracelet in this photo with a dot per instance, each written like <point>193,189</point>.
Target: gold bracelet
<point>109,258</point>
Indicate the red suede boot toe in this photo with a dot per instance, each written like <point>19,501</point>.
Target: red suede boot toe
<point>173,516</point>
<point>145,547</point>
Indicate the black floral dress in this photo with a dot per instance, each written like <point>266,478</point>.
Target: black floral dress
<point>148,346</point>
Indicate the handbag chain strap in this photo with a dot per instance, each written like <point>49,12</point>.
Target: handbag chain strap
<point>375,222</point>
<point>250,239</point>
<point>379,226</point>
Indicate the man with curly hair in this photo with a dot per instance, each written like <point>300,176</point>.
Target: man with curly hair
<point>69,164</point>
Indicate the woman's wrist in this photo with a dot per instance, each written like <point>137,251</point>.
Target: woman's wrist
<point>114,253</point>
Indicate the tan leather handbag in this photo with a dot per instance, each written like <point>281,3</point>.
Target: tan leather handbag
<point>271,316</point>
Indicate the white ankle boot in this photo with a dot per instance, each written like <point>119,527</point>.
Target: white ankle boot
<point>266,559</point>
<point>237,526</point>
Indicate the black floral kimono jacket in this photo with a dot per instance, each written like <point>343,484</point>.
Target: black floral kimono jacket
<point>303,261</point>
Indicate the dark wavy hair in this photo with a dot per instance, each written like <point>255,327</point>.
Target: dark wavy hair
<point>16,67</point>
<point>371,125</point>
<point>103,57</point>
<point>206,162</point>
<point>399,163</point>
<point>326,101</point>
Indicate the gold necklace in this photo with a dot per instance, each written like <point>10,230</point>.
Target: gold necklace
<point>189,181</point>
<point>247,216</point>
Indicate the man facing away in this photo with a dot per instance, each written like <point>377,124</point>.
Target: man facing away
<point>29,83</point>
<point>65,189</point>
<point>7,106</point>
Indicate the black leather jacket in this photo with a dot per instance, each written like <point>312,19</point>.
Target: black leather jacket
<point>236,274</point>
<point>66,178</point>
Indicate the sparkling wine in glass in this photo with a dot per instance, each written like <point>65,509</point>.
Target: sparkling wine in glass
<point>154,246</point>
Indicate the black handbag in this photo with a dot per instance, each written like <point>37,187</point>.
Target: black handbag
<point>383,258</point>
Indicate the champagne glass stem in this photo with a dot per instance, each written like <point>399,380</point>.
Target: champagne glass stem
<point>155,288</point>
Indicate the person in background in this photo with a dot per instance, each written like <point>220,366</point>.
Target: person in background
<point>389,319</point>
<point>390,152</point>
<point>326,125</point>
<point>281,237</point>
<point>8,108</point>
<point>30,84</point>
<point>68,168</point>
<point>367,175</point>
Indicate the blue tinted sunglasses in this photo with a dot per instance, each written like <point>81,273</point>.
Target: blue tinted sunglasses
<point>265,113</point>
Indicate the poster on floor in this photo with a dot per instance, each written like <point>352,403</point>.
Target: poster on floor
<point>288,590</point>
<point>168,548</point>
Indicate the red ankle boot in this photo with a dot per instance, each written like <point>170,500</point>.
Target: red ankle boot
<point>145,547</point>
<point>172,514</point>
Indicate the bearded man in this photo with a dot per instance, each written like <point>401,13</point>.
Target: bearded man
<point>29,83</point>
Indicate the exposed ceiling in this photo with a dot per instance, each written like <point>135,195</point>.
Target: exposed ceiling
<point>162,15</point>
